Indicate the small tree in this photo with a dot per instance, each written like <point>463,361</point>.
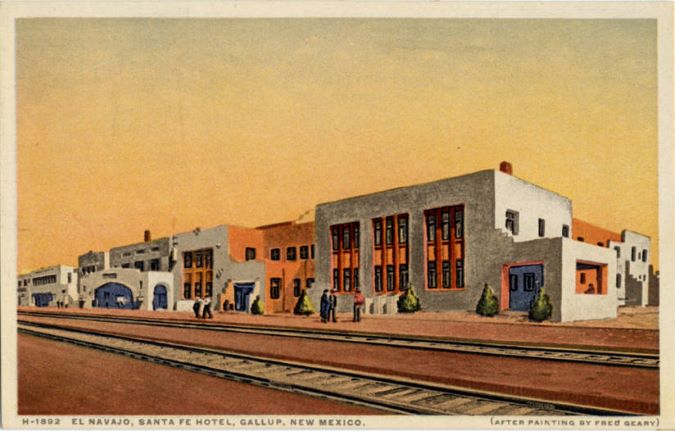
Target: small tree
<point>488,304</point>
<point>257,307</point>
<point>541,307</point>
<point>304,305</point>
<point>408,302</point>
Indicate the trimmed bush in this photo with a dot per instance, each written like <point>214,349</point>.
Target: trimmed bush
<point>257,307</point>
<point>488,304</point>
<point>304,306</point>
<point>541,307</point>
<point>408,302</point>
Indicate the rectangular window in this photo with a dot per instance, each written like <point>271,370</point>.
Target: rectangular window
<point>403,277</point>
<point>582,278</point>
<point>644,255</point>
<point>199,261</point>
<point>528,281</point>
<point>431,275</point>
<point>357,235</point>
<point>311,251</point>
<point>250,253</point>
<point>208,258</point>
<point>346,239</point>
<point>513,282</point>
<point>390,278</point>
<point>139,265</point>
<point>347,279</point>
<point>304,252</point>
<point>154,265</point>
<point>459,273</point>
<point>187,290</point>
<point>431,227</point>
<point>296,287</point>
<point>70,277</point>
<point>198,289</point>
<point>446,274</point>
<point>336,238</point>
<point>580,238</point>
<point>275,288</point>
<point>633,251</point>
<point>618,251</point>
<point>445,225</point>
<point>275,254</point>
<point>542,227</point>
<point>459,224</point>
<point>565,231</point>
<point>209,288</point>
<point>356,278</point>
<point>126,265</point>
<point>187,260</point>
<point>336,279</point>
<point>389,233</point>
<point>512,221</point>
<point>377,232</point>
<point>618,281</point>
<point>402,229</point>
<point>290,253</point>
<point>310,282</point>
<point>378,278</point>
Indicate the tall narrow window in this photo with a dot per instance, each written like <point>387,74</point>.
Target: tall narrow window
<point>304,252</point>
<point>377,232</point>
<point>378,278</point>
<point>336,279</point>
<point>390,231</point>
<point>633,251</point>
<point>565,231</point>
<point>512,222</point>
<point>275,288</point>
<point>296,287</point>
<point>446,274</point>
<point>431,227</point>
<point>618,280</point>
<point>346,242</point>
<point>187,286</point>
<point>644,255</point>
<point>459,224</point>
<point>390,278</point>
<point>199,262</point>
<point>445,225</point>
<point>209,283</point>
<point>208,258</point>
<point>618,251</point>
<point>187,260</point>
<point>431,275</point>
<point>336,238</point>
<point>459,271</point>
<point>542,227</point>
<point>402,229</point>
<point>356,278</point>
<point>311,251</point>
<point>403,277</point>
<point>357,235</point>
<point>347,279</point>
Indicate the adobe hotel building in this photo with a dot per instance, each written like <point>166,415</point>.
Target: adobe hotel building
<point>446,238</point>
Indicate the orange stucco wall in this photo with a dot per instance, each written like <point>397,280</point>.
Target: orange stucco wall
<point>593,234</point>
<point>243,237</point>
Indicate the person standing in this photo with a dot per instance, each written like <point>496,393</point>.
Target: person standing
<point>333,305</point>
<point>324,309</point>
<point>197,306</point>
<point>207,308</point>
<point>358,305</point>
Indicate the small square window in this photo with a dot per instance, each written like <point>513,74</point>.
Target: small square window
<point>304,252</point>
<point>250,253</point>
<point>275,254</point>
<point>291,253</point>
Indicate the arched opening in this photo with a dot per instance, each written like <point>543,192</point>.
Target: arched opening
<point>113,295</point>
<point>159,298</point>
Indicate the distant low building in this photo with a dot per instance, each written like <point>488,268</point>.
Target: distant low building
<point>47,286</point>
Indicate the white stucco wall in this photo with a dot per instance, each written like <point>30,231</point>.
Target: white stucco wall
<point>56,289</point>
<point>532,203</point>
<point>633,272</point>
<point>578,306</point>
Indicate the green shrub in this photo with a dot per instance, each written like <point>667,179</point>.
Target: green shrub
<point>488,304</point>
<point>408,302</point>
<point>257,307</point>
<point>304,305</point>
<point>541,308</point>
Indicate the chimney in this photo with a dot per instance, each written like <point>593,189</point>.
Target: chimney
<point>146,236</point>
<point>506,168</point>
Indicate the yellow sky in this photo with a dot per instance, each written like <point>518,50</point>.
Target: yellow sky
<point>126,125</point>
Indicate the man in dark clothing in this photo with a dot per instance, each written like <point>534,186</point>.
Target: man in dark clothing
<point>207,309</point>
<point>197,306</point>
<point>358,305</point>
<point>324,309</point>
<point>333,305</point>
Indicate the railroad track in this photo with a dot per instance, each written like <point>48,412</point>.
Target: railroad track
<point>386,393</point>
<point>589,356</point>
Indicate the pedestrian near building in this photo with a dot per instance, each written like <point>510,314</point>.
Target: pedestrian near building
<point>324,309</point>
<point>197,307</point>
<point>359,300</point>
<point>333,305</point>
<point>207,308</point>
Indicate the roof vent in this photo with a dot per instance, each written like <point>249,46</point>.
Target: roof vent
<point>506,168</point>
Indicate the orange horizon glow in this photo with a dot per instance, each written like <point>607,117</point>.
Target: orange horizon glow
<point>167,124</point>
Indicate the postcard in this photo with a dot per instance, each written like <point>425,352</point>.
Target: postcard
<point>337,215</point>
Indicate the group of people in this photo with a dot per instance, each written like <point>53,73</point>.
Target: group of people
<point>328,307</point>
<point>202,307</point>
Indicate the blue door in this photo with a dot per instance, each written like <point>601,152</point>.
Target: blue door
<point>242,294</point>
<point>113,295</point>
<point>524,284</point>
<point>42,299</point>
<point>159,297</point>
